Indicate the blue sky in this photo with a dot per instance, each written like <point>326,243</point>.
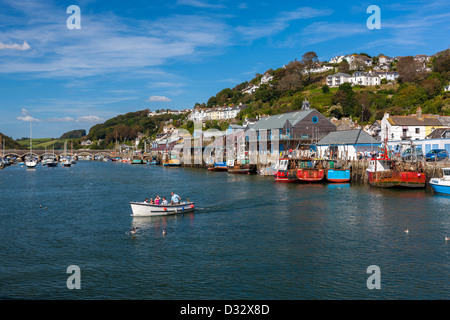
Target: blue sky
<point>132,55</point>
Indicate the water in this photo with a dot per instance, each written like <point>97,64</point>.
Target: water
<point>250,238</point>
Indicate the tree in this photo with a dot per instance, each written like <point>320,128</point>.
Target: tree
<point>344,66</point>
<point>409,70</point>
<point>325,89</point>
<point>211,102</point>
<point>345,97</point>
<point>432,87</point>
<point>441,64</point>
<point>293,77</point>
<point>309,60</point>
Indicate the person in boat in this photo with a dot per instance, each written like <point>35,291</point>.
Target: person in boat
<point>157,199</point>
<point>146,200</point>
<point>175,199</point>
<point>151,201</point>
<point>164,202</point>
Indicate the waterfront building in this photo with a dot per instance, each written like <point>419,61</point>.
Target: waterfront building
<point>294,128</point>
<point>346,144</point>
<point>412,127</point>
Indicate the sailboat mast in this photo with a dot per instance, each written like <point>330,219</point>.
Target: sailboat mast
<point>31,141</point>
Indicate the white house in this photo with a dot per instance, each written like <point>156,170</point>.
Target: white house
<point>216,113</point>
<point>337,59</point>
<point>413,127</point>
<point>364,79</point>
<point>389,76</point>
<point>358,78</point>
<point>447,88</point>
<point>382,59</point>
<point>251,89</point>
<point>266,78</point>
<point>337,79</point>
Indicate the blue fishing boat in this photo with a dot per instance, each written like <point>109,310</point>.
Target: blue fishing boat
<point>441,185</point>
<point>218,166</point>
<point>338,175</point>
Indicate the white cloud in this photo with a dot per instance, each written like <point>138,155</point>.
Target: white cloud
<point>199,4</point>
<point>63,119</point>
<point>158,98</point>
<point>15,46</point>
<point>90,119</point>
<point>28,119</point>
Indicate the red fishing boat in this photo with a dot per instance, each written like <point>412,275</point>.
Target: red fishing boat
<point>308,172</point>
<point>383,172</point>
<point>286,171</point>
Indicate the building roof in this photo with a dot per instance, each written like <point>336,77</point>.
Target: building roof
<point>438,133</point>
<point>339,74</point>
<point>413,120</point>
<point>355,136</point>
<point>278,121</point>
<point>445,120</point>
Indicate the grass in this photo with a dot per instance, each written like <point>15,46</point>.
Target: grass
<point>42,143</point>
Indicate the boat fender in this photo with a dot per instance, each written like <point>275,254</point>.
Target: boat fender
<point>192,205</point>
<point>165,209</point>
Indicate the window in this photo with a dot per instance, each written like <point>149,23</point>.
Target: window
<point>417,130</point>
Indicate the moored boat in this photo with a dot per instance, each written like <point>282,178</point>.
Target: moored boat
<point>441,185</point>
<point>170,160</point>
<point>137,161</point>
<point>218,166</point>
<point>338,175</point>
<point>241,167</point>
<point>142,209</point>
<point>287,171</point>
<point>308,171</point>
<point>383,172</point>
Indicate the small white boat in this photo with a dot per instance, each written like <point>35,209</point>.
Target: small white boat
<point>31,164</point>
<point>441,185</point>
<point>142,209</point>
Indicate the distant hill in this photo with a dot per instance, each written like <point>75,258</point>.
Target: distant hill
<point>126,127</point>
<point>9,143</point>
<point>74,134</point>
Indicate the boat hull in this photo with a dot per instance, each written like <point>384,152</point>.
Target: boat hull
<point>310,175</point>
<point>242,169</point>
<point>141,209</point>
<point>218,167</point>
<point>31,164</point>
<point>393,179</point>
<point>338,175</point>
<point>440,186</point>
<point>288,176</point>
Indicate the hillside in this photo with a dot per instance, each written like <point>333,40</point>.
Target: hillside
<point>292,83</point>
<point>74,134</point>
<point>9,143</point>
<point>127,127</point>
<point>49,143</point>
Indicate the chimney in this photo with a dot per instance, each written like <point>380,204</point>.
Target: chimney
<point>419,113</point>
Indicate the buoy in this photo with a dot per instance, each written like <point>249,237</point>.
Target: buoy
<point>165,209</point>
<point>192,205</point>
<point>406,231</point>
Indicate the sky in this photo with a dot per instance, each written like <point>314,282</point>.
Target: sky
<point>128,56</point>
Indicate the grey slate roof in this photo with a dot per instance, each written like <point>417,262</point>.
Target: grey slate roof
<point>277,121</point>
<point>355,136</point>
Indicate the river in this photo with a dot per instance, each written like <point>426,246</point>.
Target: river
<point>249,238</point>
